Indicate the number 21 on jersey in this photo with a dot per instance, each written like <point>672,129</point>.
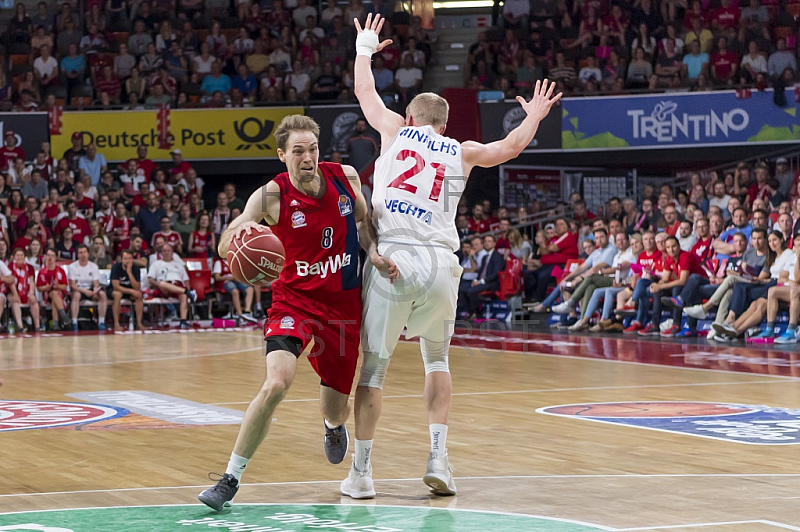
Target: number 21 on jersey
<point>400,181</point>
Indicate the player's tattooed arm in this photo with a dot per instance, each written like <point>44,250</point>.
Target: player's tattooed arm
<point>263,204</point>
<point>367,236</point>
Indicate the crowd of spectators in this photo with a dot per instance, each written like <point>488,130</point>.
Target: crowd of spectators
<point>73,216</point>
<point>210,53</point>
<point>603,46</point>
<point>725,242</point>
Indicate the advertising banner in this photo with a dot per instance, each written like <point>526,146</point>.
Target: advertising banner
<point>678,120</point>
<point>31,129</point>
<point>498,119</point>
<point>337,123</point>
<point>200,134</point>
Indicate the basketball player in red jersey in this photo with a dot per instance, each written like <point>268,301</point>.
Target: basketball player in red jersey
<point>320,215</point>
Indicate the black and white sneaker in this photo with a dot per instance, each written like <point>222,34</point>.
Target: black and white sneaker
<point>192,295</point>
<point>222,494</point>
<point>336,442</point>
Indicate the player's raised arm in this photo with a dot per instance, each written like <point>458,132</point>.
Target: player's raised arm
<point>263,204</point>
<point>494,153</point>
<point>384,121</point>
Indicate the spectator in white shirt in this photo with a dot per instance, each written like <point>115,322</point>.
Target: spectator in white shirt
<point>169,278</point>
<point>46,67</point>
<point>84,284</point>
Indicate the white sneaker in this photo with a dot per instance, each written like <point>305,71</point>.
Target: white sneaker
<point>439,475</point>
<point>358,485</point>
<point>562,308</point>
<point>696,311</point>
<point>248,317</point>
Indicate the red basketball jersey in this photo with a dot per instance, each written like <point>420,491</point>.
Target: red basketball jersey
<point>23,276</point>
<point>200,241</point>
<point>319,236</point>
<point>46,276</point>
<point>173,239</point>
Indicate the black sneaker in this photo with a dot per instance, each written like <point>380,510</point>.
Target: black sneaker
<point>185,325</point>
<point>221,494</point>
<point>192,295</point>
<point>259,314</point>
<point>336,442</point>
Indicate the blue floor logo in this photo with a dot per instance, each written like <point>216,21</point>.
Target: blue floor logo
<point>750,424</point>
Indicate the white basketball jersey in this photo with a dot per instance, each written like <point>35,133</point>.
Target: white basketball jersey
<point>417,184</point>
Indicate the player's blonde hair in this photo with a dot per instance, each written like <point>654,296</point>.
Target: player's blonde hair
<point>429,109</point>
<point>292,123</point>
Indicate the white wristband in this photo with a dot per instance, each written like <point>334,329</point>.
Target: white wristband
<point>366,43</point>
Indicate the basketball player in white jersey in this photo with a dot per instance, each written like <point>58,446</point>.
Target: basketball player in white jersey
<point>419,178</point>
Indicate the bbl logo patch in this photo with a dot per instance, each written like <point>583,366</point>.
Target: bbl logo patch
<point>750,424</point>
<point>345,205</point>
<point>24,415</point>
<point>298,219</point>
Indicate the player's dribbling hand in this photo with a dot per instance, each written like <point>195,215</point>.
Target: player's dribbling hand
<point>542,100</point>
<point>247,228</point>
<point>385,265</point>
<point>374,26</point>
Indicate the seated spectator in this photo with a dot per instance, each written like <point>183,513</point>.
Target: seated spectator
<point>157,96</point>
<point>149,218</point>
<point>35,187</point>
<point>753,64</point>
<point>168,278</point>
<point>150,62</point>
<point>52,282</point>
<point>46,67</point>
<point>586,278</point>
<point>23,290</point>
<point>84,280</point>
<point>787,293</point>
<point>408,80</point>
<point>781,59</point>
<point>73,67</point>
<point>66,36</point>
<point>258,61</point>
<point>639,70</point>
<point>488,276</point>
<point>764,303</point>
<point>98,253</point>
<point>92,164</point>
<point>723,64</point>
<point>562,72</point>
<point>116,12</point>
<point>170,237</point>
<point>93,42</point>
<point>555,252</point>
<point>216,80</point>
<point>139,40</point>
<point>124,284</point>
<point>201,64</point>
<point>328,84</point>
<point>223,276</point>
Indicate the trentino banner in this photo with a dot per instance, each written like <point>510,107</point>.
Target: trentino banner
<point>678,120</point>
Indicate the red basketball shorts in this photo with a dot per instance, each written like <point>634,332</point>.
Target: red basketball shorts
<point>332,322</point>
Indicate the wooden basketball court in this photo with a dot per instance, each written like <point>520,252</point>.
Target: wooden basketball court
<point>697,438</point>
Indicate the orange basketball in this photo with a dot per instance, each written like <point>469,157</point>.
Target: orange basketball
<point>257,258</point>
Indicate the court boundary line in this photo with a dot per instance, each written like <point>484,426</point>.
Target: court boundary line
<point>353,503</point>
<point>544,390</point>
<point>722,523</point>
<point>489,477</point>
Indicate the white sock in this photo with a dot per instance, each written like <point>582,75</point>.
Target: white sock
<point>438,438</point>
<point>101,320</point>
<point>363,452</point>
<point>236,465</point>
<point>74,321</point>
<point>329,425</point>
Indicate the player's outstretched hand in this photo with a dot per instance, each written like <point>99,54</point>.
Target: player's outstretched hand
<point>542,100</point>
<point>372,25</point>
<point>385,264</point>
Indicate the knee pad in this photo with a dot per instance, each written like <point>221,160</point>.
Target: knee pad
<point>434,355</point>
<point>373,370</point>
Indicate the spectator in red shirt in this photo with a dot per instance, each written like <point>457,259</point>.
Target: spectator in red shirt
<point>179,168</point>
<point>580,212</point>
<point>52,282</point>
<point>79,225</point>
<point>556,252</point>
<point>109,83</point>
<point>671,220</point>
<point>477,224</point>
<point>726,17</point>
<point>10,150</point>
<point>762,188</point>
<point>173,238</point>
<point>23,290</point>
<point>85,203</point>
<point>144,164</point>
<point>684,276</point>
<point>724,64</point>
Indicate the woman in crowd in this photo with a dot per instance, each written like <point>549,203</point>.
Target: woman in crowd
<point>746,292</point>
<point>787,292</point>
<point>65,248</point>
<point>776,290</point>
<point>35,255</point>
<point>202,242</point>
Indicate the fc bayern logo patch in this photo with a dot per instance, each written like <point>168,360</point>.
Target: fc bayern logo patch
<point>749,424</point>
<point>25,415</point>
